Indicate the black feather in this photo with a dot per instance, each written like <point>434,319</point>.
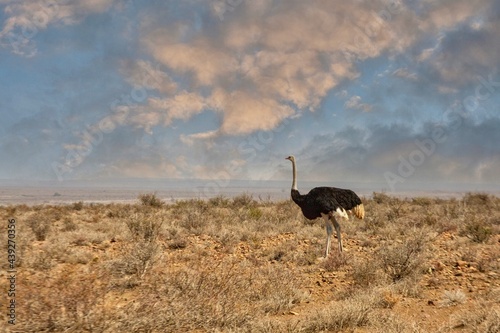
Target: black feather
<point>323,200</point>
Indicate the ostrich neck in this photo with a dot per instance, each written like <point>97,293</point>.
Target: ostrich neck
<point>294,182</point>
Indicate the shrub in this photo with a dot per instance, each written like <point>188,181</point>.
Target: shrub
<point>151,200</point>
<point>335,261</point>
<point>451,298</point>
<point>403,260</point>
<point>396,210</point>
<point>483,318</point>
<point>40,227</point>
<point>381,198</point>
<point>477,230</point>
<point>254,213</point>
<point>480,199</point>
<point>144,226</point>
<point>69,225</point>
<point>365,273</point>
<point>77,205</point>
<point>77,306</point>
<point>219,201</point>
<point>422,201</point>
<point>177,244</point>
<point>340,316</point>
<point>211,296</point>
<point>244,200</point>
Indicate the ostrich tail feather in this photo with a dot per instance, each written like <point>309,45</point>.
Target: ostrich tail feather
<point>359,211</point>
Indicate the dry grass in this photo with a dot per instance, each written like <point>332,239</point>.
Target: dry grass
<point>453,298</point>
<point>251,265</point>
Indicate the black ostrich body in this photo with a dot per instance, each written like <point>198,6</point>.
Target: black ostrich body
<point>327,202</point>
<point>324,200</point>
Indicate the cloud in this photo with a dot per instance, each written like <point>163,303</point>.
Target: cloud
<point>190,87</point>
<point>191,138</point>
<point>447,14</point>
<point>26,18</point>
<point>467,40</point>
<point>354,103</point>
<point>261,64</point>
<point>144,74</point>
<point>181,106</point>
<point>404,73</point>
<point>367,154</point>
<point>266,62</point>
<point>244,113</point>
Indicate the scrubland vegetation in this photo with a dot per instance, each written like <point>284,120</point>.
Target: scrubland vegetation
<point>246,265</point>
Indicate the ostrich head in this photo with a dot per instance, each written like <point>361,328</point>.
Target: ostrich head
<point>290,158</point>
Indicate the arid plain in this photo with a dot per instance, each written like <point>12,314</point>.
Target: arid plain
<point>247,264</point>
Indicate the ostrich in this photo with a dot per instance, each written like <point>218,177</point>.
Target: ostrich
<point>328,202</point>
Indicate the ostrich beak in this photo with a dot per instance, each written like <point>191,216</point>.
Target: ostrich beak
<point>288,158</point>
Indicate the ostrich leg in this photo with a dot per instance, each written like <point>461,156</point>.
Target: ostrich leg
<point>329,231</point>
<point>337,229</point>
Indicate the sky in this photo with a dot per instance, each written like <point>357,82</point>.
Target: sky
<point>399,93</point>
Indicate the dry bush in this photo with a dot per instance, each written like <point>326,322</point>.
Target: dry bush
<point>192,215</point>
<point>69,225</point>
<point>365,273</point>
<point>134,262</point>
<point>254,213</point>
<point>117,210</point>
<point>453,208</point>
<point>452,298</point>
<point>403,259</point>
<point>422,201</point>
<point>306,258</point>
<point>194,220</point>
<point>489,262</point>
<point>391,323</point>
<point>244,200</point>
<point>151,200</point>
<point>69,301</point>
<point>397,210</point>
<point>342,315</point>
<point>381,198</point>
<point>336,261</point>
<point>283,252</point>
<point>177,244</point>
<point>144,225</point>
<point>78,256</point>
<point>483,317</point>
<point>40,226</point>
<point>477,229</point>
<point>77,205</point>
<point>478,199</point>
<point>225,296</point>
<point>191,204</point>
<point>139,255</point>
<point>219,201</point>
<point>41,261</point>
